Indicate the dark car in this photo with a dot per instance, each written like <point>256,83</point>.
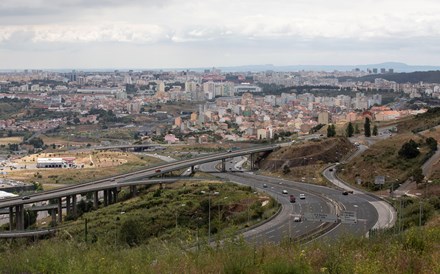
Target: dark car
<point>344,192</point>
<point>158,170</point>
<point>292,198</point>
<point>25,198</point>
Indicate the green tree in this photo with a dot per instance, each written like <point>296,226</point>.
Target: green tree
<point>417,175</point>
<point>432,143</point>
<point>331,131</point>
<point>349,130</point>
<point>367,129</point>
<point>409,150</point>
<point>375,130</point>
<point>37,142</point>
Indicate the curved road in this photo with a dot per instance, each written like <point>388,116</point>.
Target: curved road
<point>318,199</point>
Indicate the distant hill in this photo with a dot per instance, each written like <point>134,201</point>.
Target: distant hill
<point>412,77</point>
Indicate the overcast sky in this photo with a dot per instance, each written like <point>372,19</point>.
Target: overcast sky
<point>205,33</point>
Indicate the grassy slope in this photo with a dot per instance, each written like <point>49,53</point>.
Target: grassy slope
<point>306,160</point>
<point>415,251</point>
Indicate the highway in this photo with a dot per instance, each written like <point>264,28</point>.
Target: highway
<point>318,199</point>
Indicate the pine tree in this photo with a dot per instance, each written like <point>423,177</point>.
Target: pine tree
<point>350,130</point>
<point>367,129</point>
<point>375,130</point>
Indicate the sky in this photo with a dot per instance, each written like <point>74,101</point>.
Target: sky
<point>51,34</point>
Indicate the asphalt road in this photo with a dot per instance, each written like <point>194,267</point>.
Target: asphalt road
<point>318,199</point>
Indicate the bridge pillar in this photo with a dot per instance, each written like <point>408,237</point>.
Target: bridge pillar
<point>68,205</point>
<point>223,165</point>
<point>192,169</point>
<point>74,205</point>
<point>95,199</point>
<point>54,216</point>
<point>11,217</point>
<point>60,210</point>
<point>19,217</point>
<point>105,197</point>
<point>115,195</point>
<point>252,161</point>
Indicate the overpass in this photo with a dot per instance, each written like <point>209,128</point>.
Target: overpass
<point>140,147</point>
<point>112,185</point>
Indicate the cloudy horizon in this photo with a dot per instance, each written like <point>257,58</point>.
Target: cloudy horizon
<point>194,33</point>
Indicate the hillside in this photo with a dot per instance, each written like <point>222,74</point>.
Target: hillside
<point>304,161</point>
<point>411,77</point>
<point>328,150</point>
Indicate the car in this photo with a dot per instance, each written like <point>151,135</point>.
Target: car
<point>229,151</point>
<point>25,198</point>
<point>264,185</point>
<point>302,196</point>
<point>344,192</point>
<point>285,191</point>
<point>158,170</point>
<point>292,198</point>
<point>331,170</point>
<point>297,219</point>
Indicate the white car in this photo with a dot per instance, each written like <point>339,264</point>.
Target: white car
<point>302,196</point>
<point>297,219</point>
<point>285,191</point>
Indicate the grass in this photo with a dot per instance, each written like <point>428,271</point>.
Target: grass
<point>415,251</point>
<point>10,140</point>
<point>382,159</point>
<point>179,212</point>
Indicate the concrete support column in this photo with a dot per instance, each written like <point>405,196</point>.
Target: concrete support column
<point>11,217</point>
<point>223,165</point>
<point>252,161</point>
<point>74,205</point>
<point>192,169</point>
<point>115,195</point>
<point>96,199</point>
<point>60,210</point>
<point>105,197</point>
<point>68,212</point>
<point>110,196</point>
<point>19,217</point>
<point>54,216</point>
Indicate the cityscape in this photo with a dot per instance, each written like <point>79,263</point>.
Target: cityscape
<point>215,137</point>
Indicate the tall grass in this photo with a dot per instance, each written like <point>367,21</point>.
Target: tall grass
<point>415,251</point>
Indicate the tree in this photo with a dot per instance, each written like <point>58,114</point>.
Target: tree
<point>76,121</point>
<point>331,131</point>
<point>37,142</point>
<point>417,175</point>
<point>367,129</point>
<point>432,143</point>
<point>409,150</point>
<point>349,130</point>
<point>375,130</point>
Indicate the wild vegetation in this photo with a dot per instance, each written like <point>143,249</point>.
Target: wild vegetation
<point>414,251</point>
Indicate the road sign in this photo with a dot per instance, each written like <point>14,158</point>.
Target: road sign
<point>348,217</point>
<point>379,180</point>
<point>321,217</point>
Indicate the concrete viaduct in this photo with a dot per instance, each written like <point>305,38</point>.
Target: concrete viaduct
<point>109,188</point>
